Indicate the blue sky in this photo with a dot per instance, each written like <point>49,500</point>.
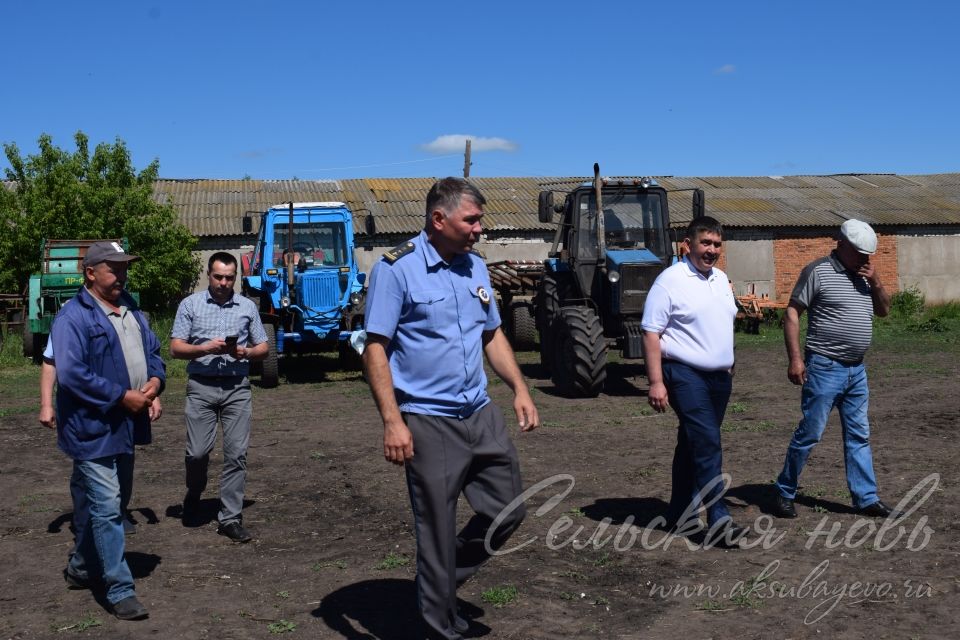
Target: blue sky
<point>326,90</point>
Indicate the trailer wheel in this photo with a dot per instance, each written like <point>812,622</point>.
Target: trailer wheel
<point>548,301</point>
<point>523,326</point>
<point>581,358</point>
<point>270,366</point>
<point>33,343</point>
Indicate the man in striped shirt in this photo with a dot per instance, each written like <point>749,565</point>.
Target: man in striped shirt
<point>842,293</point>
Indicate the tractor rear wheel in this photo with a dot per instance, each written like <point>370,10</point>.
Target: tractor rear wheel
<point>270,366</point>
<point>581,353</point>
<point>522,324</point>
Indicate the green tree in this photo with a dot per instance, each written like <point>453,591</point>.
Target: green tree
<point>56,194</point>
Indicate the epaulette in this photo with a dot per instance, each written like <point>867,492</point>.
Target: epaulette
<point>398,251</point>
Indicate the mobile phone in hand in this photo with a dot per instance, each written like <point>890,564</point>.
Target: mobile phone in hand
<point>231,341</point>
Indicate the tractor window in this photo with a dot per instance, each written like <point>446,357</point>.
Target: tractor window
<point>318,244</point>
<point>631,220</point>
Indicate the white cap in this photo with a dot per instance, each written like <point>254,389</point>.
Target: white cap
<point>860,236</point>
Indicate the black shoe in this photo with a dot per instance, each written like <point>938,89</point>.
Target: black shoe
<point>460,625</point>
<point>235,531</point>
<point>879,510</point>
<point>129,526</point>
<point>77,582</point>
<point>190,515</point>
<point>130,609</point>
<point>783,508</point>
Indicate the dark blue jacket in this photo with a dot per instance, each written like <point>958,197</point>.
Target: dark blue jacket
<point>92,378</point>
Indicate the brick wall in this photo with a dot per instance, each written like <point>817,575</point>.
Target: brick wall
<point>792,254</point>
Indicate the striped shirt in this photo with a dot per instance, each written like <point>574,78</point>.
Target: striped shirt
<point>200,319</point>
<point>840,307</point>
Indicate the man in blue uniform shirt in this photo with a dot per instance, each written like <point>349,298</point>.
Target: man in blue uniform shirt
<point>430,318</point>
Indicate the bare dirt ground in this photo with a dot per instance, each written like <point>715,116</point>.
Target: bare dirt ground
<point>334,554</point>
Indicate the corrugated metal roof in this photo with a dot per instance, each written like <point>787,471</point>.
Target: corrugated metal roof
<point>216,207</point>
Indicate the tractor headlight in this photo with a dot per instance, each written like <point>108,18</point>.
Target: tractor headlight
<point>284,302</point>
<point>613,276</point>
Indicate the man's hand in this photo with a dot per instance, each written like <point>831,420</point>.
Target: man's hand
<point>797,371</point>
<point>527,416</point>
<point>48,417</point>
<point>216,346</point>
<point>657,397</point>
<point>397,442</point>
<point>152,388</point>
<point>155,410</point>
<point>135,401</point>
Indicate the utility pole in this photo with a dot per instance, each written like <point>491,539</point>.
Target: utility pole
<point>466,160</point>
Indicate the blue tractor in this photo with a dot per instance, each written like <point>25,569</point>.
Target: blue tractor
<point>597,275</point>
<point>303,275</point>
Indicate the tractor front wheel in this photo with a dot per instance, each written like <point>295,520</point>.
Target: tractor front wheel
<point>580,368</point>
<point>270,367</point>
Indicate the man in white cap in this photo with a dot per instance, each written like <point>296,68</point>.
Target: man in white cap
<point>842,293</point>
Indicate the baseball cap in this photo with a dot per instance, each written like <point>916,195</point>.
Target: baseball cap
<point>860,236</point>
<point>106,252</point>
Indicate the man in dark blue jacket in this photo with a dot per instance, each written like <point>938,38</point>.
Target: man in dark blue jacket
<point>109,371</point>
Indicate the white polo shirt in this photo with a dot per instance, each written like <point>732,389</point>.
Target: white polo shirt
<point>694,316</point>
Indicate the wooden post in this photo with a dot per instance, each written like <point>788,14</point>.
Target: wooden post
<point>466,160</point>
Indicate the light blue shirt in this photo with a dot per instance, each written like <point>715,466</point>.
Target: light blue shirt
<point>434,315</point>
<point>201,319</point>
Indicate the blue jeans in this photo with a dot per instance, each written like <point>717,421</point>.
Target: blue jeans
<point>81,511</point>
<point>100,544</point>
<point>700,400</point>
<point>833,384</point>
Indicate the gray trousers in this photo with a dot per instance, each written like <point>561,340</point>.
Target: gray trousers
<point>450,456</point>
<point>224,401</point>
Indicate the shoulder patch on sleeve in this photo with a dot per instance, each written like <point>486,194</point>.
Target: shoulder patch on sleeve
<point>398,251</point>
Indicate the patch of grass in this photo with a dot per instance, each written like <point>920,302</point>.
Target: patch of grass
<point>738,407</point>
<point>87,622</point>
<point>601,601</point>
<point>819,509</point>
<point>754,427</point>
<point>16,411</point>
<point>602,560</point>
<point>500,596</point>
<point>392,561</point>
<point>35,503</point>
<point>646,411</point>
<point>317,455</point>
<point>319,566</point>
<point>566,595</point>
<point>283,594</point>
<point>576,575</point>
<point>710,605</point>
<point>576,512</point>
<point>281,626</point>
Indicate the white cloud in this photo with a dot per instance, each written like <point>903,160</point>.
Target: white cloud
<point>727,68</point>
<point>456,142</point>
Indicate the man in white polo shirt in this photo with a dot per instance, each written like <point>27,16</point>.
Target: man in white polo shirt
<point>688,347</point>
